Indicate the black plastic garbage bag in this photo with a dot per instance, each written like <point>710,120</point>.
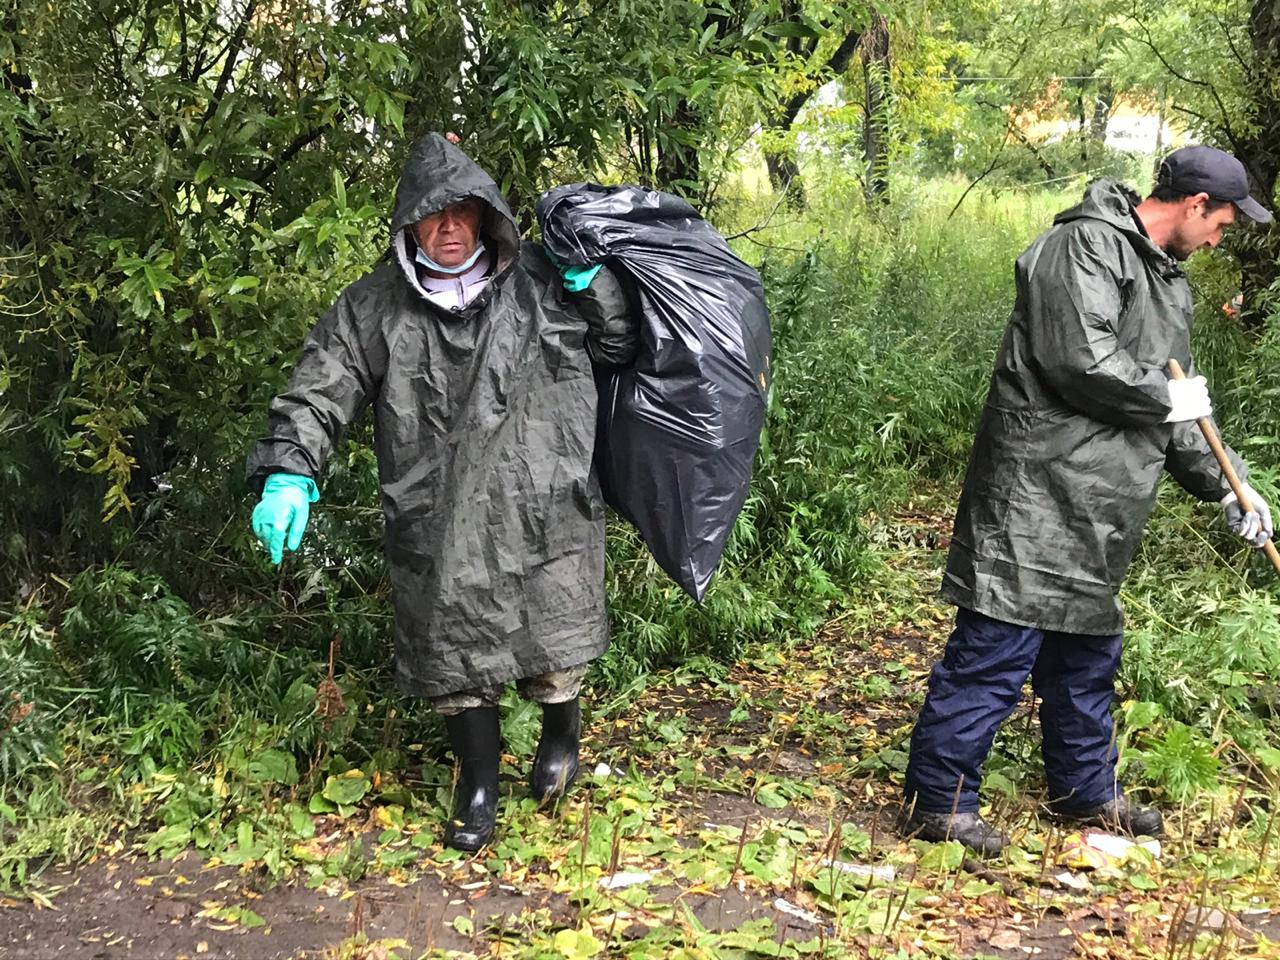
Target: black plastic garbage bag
<point>679,429</point>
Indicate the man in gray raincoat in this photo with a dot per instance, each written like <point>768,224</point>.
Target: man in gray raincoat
<point>1080,421</point>
<point>477,364</point>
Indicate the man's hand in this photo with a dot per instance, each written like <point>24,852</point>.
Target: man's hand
<point>1189,399</point>
<point>1255,526</point>
<point>280,518</point>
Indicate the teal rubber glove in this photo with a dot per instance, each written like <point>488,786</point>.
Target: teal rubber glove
<point>280,518</point>
<point>576,279</point>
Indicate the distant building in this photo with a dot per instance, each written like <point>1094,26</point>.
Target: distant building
<point>1133,125</point>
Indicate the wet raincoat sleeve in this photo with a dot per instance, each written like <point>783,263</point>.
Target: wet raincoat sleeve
<point>1075,299</point>
<point>613,329</point>
<point>1191,462</point>
<point>332,382</point>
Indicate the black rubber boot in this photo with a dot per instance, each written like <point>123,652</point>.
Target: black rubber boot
<point>1118,814</point>
<point>968,828</point>
<point>476,743</point>
<point>556,763</point>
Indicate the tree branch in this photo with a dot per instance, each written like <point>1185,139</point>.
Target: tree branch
<point>1225,118</point>
<point>1011,129</point>
<point>991,167</point>
<point>232,54</point>
<point>296,146</point>
<point>184,66</point>
<point>1245,67</point>
<point>837,63</point>
<point>763,224</point>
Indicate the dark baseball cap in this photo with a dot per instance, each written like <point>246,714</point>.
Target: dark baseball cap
<point>1209,170</point>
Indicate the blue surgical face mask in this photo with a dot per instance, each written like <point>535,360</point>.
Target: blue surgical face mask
<point>463,267</point>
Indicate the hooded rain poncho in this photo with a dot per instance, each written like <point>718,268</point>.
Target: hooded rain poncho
<point>485,421</point>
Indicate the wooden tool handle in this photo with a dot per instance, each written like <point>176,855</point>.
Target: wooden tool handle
<point>1228,471</point>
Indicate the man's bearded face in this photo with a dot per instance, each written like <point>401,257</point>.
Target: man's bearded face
<point>1200,228</point>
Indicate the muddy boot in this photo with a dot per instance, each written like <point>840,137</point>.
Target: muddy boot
<point>1117,815</point>
<point>968,828</point>
<point>556,763</point>
<point>473,735</point>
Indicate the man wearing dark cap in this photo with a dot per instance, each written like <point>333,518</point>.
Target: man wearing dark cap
<point>1081,419</point>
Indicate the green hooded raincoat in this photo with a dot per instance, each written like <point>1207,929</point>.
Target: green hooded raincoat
<point>1072,440</point>
<point>485,422</point>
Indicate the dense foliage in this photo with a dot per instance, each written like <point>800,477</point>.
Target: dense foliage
<point>185,186</point>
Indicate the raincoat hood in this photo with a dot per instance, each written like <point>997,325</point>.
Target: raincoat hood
<point>1113,203</point>
<point>435,175</point>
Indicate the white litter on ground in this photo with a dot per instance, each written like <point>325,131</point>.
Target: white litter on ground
<point>617,881</point>
<point>885,873</point>
<point>791,910</point>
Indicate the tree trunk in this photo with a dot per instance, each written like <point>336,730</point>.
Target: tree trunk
<point>1102,103</point>
<point>875,119</point>
<point>1159,150</point>
<point>784,174</point>
<point>1258,249</point>
<point>679,169</point>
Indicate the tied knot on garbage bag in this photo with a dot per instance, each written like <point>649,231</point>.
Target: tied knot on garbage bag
<point>679,428</point>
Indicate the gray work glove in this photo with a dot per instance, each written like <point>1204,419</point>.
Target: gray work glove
<point>1255,526</point>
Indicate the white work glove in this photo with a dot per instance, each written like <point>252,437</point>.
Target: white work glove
<point>1255,526</point>
<point>1189,399</point>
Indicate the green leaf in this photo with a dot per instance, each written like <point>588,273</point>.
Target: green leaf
<point>274,766</point>
<point>347,789</point>
<point>1269,757</point>
<point>708,35</point>
<point>398,858</point>
<point>1139,714</point>
<point>301,823</point>
<point>240,185</point>
<point>339,190</point>
<point>241,284</point>
<point>1140,881</point>
<point>943,857</point>
<point>768,796</point>
<point>853,839</point>
<point>791,28</point>
<point>464,926</point>
<point>241,915</point>
<point>577,944</point>
<point>996,782</point>
<point>168,840</point>
<point>1183,762</point>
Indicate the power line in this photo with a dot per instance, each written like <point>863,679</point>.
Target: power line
<point>1042,79</point>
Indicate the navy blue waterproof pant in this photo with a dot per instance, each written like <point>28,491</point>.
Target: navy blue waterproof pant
<point>975,687</point>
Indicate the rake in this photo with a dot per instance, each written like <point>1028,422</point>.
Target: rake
<point>1228,471</point>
